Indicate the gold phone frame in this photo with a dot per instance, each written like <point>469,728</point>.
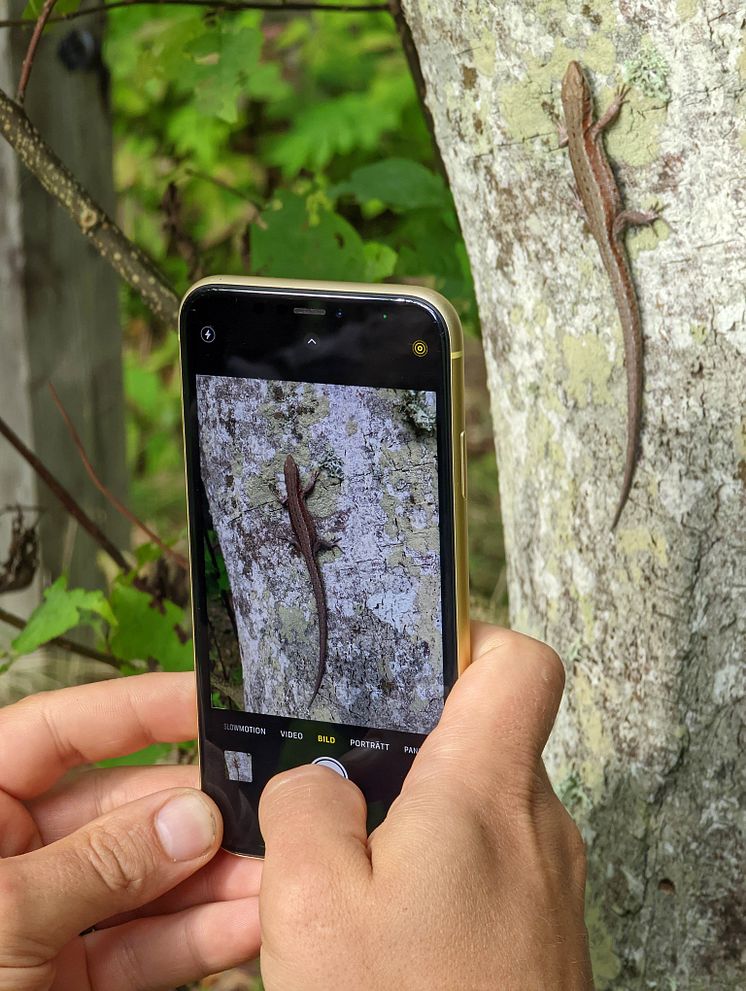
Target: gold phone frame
<point>301,287</point>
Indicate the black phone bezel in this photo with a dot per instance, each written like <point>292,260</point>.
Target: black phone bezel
<point>216,303</point>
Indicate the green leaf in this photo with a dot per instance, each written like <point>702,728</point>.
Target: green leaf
<point>143,388</point>
<point>148,755</point>
<point>429,243</point>
<point>335,127</point>
<point>380,261</point>
<point>147,553</point>
<point>228,68</point>
<point>201,138</point>
<point>303,238</point>
<point>146,630</point>
<point>400,183</point>
<point>61,610</point>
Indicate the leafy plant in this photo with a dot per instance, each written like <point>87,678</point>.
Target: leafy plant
<point>61,610</point>
<point>271,144</point>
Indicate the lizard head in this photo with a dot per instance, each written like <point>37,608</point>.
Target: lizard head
<point>291,470</point>
<point>576,93</point>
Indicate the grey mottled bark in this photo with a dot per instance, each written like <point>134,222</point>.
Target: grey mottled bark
<point>376,499</point>
<point>650,619</point>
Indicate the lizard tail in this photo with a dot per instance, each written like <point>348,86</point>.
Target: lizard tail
<point>626,486</point>
<point>322,654</point>
<point>630,461</point>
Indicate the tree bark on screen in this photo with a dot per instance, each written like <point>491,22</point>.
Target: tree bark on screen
<point>649,618</point>
<point>371,456</point>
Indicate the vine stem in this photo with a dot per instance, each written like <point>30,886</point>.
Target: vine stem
<point>227,5</point>
<point>72,506</point>
<point>106,492</point>
<point>28,60</point>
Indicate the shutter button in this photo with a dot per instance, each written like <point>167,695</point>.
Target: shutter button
<point>333,764</point>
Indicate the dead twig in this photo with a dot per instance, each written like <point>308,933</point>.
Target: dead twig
<point>127,260</point>
<point>223,5</point>
<point>180,242</point>
<point>20,566</point>
<point>106,492</point>
<point>76,648</point>
<point>68,501</point>
<point>28,60</point>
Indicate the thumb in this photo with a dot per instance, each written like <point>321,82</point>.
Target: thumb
<point>310,815</point>
<point>114,864</point>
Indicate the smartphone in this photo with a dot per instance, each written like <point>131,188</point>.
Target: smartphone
<point>326,484</point>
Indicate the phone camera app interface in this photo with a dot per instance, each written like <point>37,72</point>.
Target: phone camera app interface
<point>314,444</point>
<point>322,552</point>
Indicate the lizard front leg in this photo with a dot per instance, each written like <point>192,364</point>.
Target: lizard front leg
<point>610,114</point>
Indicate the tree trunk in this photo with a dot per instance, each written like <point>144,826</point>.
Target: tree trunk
<point>650,617</point>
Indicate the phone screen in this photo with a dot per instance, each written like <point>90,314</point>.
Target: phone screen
<point>319,466</point>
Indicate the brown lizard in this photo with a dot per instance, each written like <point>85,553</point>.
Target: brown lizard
<point>308,543</point>
<point>601,201</point>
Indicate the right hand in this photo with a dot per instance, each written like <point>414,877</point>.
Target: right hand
<point>474,880</point>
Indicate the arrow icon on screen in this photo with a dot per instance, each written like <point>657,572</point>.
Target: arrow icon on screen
<point>312,341</point>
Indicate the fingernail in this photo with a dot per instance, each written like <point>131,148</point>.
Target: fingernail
<point>185,827</point>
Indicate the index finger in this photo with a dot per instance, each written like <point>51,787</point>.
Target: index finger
<point>500,712</point>
<point>44,735</point>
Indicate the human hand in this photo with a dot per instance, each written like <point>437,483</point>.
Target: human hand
<point>474,880</point>
<point>112,848</point>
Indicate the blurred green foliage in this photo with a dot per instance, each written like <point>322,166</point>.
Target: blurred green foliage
<point>261,143</point>
<point>273,145</point>
<point>264,144</point>
<point>294,146</point>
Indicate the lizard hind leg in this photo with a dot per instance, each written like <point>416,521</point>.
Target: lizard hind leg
<point>634,218</point>
<point>326,545</point>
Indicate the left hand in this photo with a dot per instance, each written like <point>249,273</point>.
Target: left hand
<point>89,849</point>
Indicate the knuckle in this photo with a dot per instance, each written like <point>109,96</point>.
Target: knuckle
<point>117,859</point>
<point>550,667</point>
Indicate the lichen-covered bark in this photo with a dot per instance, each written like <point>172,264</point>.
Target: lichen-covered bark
<point>376,499</point>
<point>651,618</point>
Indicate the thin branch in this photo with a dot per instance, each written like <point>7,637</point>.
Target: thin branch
<point>225,5</point>
<point>67,500</point>
<point>127,260</point>
<point>256,217</point>
<point>106,492</point>
<point>28,61</point>
<point>76,648</point>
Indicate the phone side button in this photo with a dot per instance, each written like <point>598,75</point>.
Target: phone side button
<point>462,444</point>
